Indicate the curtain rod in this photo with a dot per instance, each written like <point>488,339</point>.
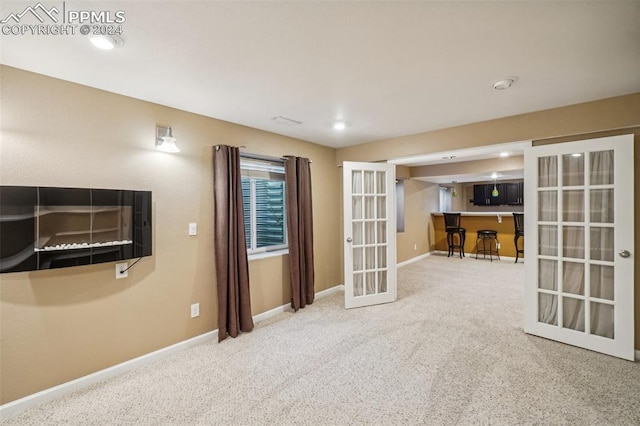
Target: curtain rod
<point>262,157</point>
<point>258,156</point>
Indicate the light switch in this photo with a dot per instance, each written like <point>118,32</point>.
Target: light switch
<point>193,229</point>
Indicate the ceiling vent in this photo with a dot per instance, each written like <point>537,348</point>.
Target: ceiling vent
<point>286,121</point>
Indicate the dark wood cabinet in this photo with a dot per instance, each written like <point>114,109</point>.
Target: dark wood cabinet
<point>514,193</point>
<point>482,195</point>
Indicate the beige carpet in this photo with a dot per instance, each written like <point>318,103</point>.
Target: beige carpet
<point>450,350</point>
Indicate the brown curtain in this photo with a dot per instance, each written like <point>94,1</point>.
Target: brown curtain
<point>297,176</point>
<point>232,266</point>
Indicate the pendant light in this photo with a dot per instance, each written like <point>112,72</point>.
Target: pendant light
<point>495,191</point>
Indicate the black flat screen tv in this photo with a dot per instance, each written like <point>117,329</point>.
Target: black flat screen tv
<point>46,227</point>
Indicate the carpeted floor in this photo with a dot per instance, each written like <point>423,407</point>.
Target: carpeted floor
<point>450,350</point>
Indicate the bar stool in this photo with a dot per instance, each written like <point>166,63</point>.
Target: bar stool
<point>452,226</point>
<point>487,243</point>
<point>518,223</point>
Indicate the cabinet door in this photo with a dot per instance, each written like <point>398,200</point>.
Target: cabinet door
<point>512,193</point>
<point>521,193</point>
<point>480,195</point>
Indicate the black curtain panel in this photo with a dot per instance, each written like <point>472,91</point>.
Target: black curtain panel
<point>232,266</point>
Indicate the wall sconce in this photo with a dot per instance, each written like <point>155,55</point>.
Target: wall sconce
<point>165,141</point>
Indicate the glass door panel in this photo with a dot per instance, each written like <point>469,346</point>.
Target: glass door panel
<point>573,278</point>
<point>573,169</point>
<point>573,205</point>
<point>601,205</point>
<point>602,281</point>
<point>573,313</point>
<point>548,308</point>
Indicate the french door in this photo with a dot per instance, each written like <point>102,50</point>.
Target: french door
<point>579,240</point>
<point>369,234</point>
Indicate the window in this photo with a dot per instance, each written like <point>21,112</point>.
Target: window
<point>264,204</point>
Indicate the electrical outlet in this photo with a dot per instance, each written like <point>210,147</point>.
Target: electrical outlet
<point>193,229</point>
<point>415,247</point>
<point>195,310</point>
<point>498,245</point>
<point>121,267</point>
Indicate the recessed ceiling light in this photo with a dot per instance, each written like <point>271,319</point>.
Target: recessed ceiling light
<point>505,83</point>
<point>504,154</point>
<point>106,42</point>
<point>339,125</point>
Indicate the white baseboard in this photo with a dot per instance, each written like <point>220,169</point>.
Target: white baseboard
<point>413,259</point>
<point>287,307</point>
<point>473,256</point>
<point>14,407</point>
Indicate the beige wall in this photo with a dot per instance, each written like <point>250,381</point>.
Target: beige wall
<point>62,324</point>
<point>420,198</point>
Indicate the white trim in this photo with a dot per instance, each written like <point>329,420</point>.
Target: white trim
<point>287,307</point>
<point>266,254</point>
<point>413,259</point>
<point>14,407</point>
<point>473,256</point>
<point>272,312</point>
<point>330,291</point>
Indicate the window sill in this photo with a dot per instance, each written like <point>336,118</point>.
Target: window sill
<point>267,254</point>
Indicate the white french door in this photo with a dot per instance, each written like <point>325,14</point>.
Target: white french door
<point>579,240</point>
<point>369,234</point>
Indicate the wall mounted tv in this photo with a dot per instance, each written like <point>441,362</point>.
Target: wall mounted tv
<point>46,228</point>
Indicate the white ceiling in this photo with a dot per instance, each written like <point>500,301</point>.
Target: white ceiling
<point>386,68</point>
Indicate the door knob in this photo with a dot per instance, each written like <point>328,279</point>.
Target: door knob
<point>624,253</point>
<point>349,239</point>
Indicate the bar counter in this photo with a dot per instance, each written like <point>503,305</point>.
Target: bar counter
<point>474,221</point>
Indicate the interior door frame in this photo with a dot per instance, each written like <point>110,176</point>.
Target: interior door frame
<point>622,345</point>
